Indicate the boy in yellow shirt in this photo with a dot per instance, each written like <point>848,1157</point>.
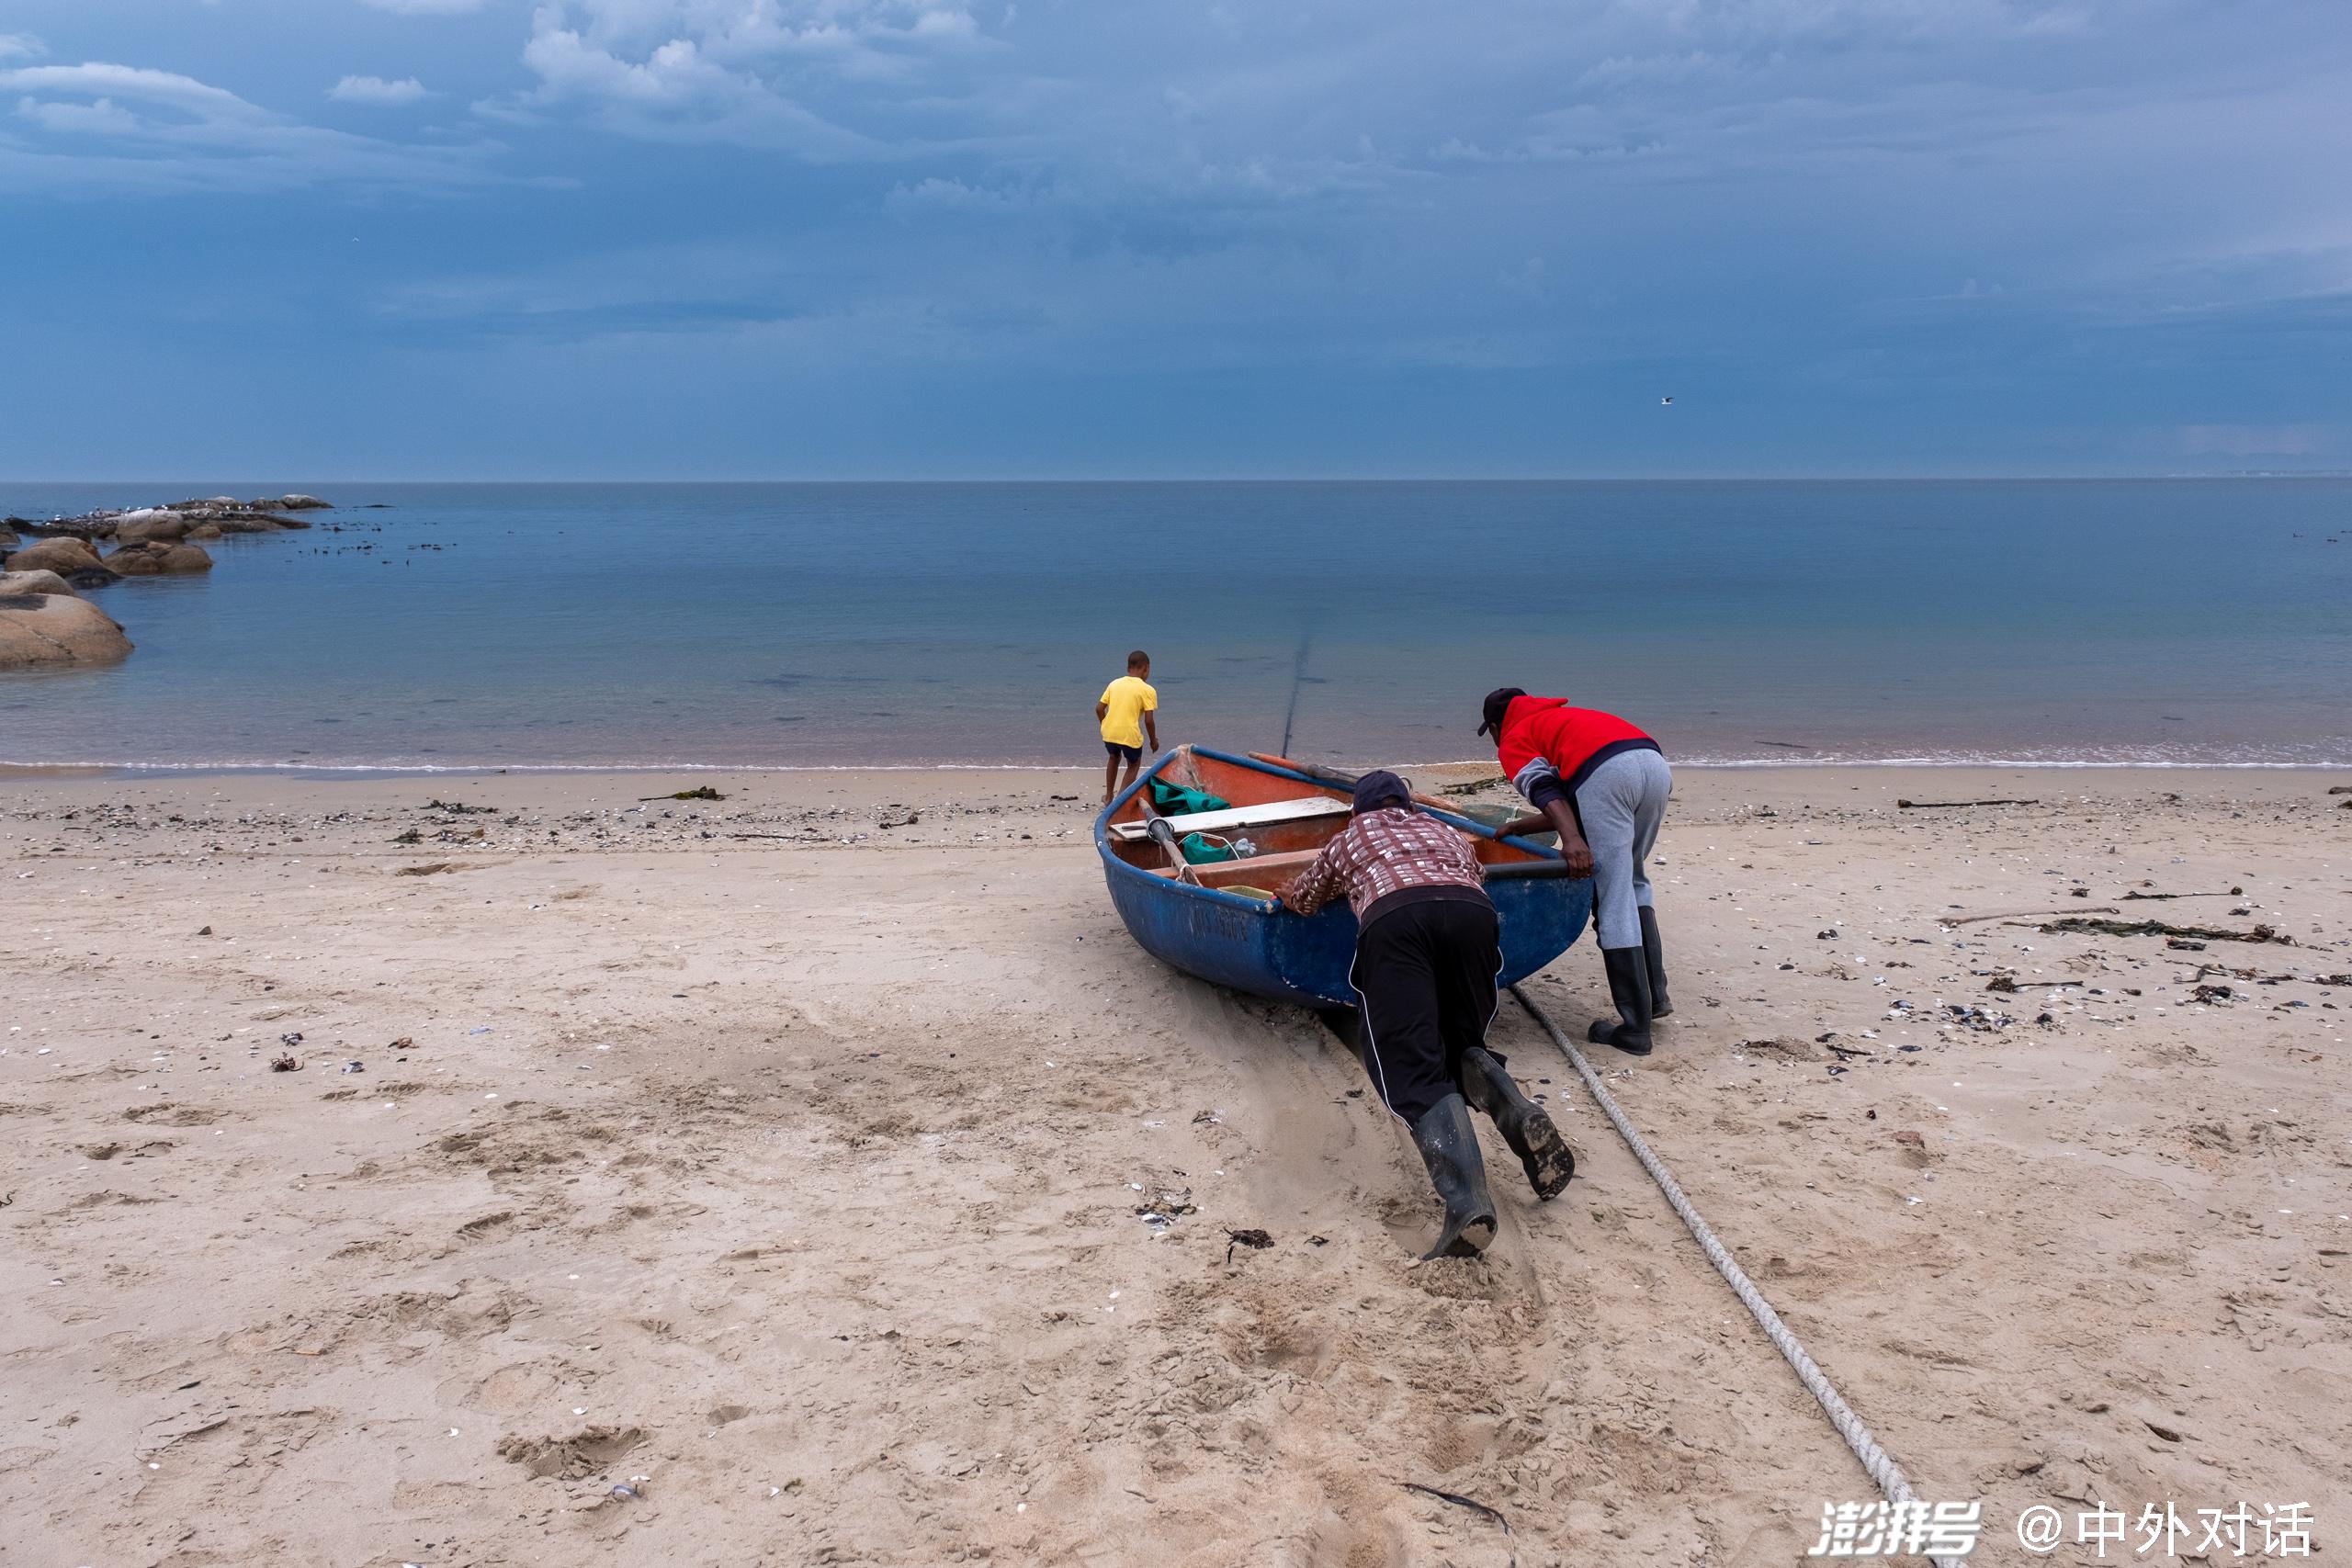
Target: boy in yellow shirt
<point>1125,710</point>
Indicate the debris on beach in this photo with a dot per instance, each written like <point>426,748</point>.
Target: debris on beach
<point>2161,927</point>
<point>1456,1499</point>
<point>701,792</point>
<point>285,1064</point>
<point>1165,1207</point>
<point>1257,1240</point>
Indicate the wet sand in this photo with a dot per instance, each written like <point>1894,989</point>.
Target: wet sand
<point>792,1180</point>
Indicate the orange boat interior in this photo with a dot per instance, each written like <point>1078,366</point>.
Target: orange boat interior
<point>1284,841</point>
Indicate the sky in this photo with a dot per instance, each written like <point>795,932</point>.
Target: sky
<point>745,239</point>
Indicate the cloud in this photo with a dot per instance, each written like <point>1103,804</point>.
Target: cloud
<point>20,46</point>
<point>164,88</point>
<point>104,117</point>
<point>377,90</point>
<point>158,130</point>
<point>792,74</point>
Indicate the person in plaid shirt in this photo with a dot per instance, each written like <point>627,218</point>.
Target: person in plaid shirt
<point>1426,954</point>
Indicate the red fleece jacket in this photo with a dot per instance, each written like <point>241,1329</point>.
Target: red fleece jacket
<point>1546,745</point>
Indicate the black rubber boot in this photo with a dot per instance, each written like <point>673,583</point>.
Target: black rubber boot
<point>1522,1123</point>
<point>1629,987</point>
<point>1449,1146</point>
<point>1654,959</point>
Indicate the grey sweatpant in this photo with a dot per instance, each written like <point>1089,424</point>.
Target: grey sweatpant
<point>1622,804</point>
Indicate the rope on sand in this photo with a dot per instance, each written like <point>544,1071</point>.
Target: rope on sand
<point>1887,1474</point>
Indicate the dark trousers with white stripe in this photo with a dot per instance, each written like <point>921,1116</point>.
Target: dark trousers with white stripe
<point>1425,976</point>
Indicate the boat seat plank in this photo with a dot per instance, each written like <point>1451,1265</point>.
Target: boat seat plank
<point>1236,816</point>
<point>1283,866</point>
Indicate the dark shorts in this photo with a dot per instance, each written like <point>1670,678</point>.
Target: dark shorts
<point>1129,754</point>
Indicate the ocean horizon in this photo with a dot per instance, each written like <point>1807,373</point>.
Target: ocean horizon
<point>732,626</point>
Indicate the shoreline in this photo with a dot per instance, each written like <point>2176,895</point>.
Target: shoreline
<point>357,771</point>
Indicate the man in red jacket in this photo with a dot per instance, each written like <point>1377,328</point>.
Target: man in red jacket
<point>1603,785</point>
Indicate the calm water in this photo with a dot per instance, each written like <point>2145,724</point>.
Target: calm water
<point>783,625</point>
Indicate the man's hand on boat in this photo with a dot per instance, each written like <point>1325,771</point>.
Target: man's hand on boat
<point>1560,820</point>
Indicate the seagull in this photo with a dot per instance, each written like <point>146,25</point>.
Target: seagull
<point>1665,402</point>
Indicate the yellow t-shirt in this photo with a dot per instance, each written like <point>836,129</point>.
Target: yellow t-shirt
<point>1126,701</point>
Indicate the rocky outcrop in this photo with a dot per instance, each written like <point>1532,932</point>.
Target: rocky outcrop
<point>150,523</point>
<point>90,525</point>
<point>147,541</point>
<point>64,555</point>
<point>56,628</point>
<point>159,559</point>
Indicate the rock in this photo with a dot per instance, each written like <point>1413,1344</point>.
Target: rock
<point>61,555</point>
<point>159,559</point>
<point>14,584</point>
<point>297,503</point>
<point>56,628</point>
<point>8,540</point>
<point>150,523</point>
<point>89,526</point>
<point>205,531</point>
<point>250,523</point>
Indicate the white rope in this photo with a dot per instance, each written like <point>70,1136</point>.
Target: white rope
<point>1883,1472</point>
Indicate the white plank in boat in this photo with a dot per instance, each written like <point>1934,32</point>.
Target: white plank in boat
<point>1264,816</point>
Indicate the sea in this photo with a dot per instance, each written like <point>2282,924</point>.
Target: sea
<point>434,626</point>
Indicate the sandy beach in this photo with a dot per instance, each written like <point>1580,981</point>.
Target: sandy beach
<point>826,1166</point>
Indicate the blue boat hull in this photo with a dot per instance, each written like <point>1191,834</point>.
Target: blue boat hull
<point>1282,956</point>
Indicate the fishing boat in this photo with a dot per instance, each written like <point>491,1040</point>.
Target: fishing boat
<point>1195,882</point>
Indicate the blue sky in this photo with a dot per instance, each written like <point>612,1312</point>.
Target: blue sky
<point>934,238</point>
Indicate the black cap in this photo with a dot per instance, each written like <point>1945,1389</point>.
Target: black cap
<point>1380,787</point>
<point>1497,701</point>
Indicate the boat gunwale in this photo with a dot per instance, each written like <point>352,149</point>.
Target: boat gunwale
<point>1260,905</point>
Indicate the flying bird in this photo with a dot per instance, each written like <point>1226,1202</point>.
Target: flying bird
<point>1665,402</point>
